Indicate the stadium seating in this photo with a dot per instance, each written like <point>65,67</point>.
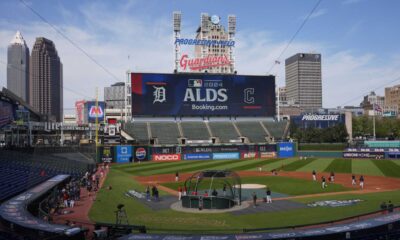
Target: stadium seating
<point>253,131</point>
<point>276,129</point>
<point>225,131</point>
<point>20,171</point>
<point>138,131</point>
<point>165,132</point>
<point>195,130</point>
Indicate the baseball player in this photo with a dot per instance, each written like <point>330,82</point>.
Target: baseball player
<point>323,182</point>
<point>268,192</point>
<point>362,182</point>
<point>314,175</point>
<point>353,180</point>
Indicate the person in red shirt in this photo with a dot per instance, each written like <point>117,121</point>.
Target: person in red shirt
<point>206,194</point>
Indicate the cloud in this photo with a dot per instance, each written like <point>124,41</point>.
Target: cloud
<point>318,13</point>
<point>345,2</point>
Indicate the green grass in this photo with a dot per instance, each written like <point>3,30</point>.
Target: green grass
<point>366,167</point>
<point>317,165</point>
<point>297,164</point>
<point>163,220</point>
<point>278,164</point>
<point>388,168</point>
<point>340,166</point>
<point>285,185</point>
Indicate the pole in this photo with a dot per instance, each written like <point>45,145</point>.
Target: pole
<point>97,120</point>
<point>278,110</point>
<point>373,124</point>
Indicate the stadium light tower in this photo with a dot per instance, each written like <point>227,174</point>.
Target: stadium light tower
<point>232,32</point>
<point>177,33</point>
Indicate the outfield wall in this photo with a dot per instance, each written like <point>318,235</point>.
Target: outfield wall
<point>129,153</point>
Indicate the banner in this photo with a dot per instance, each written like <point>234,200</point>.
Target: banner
<point>267,154</point>
<point>166,157</point>
<point>218,156</point>
<point>124,154</point>
<point>94,111</point>
<point>197,156</point>
<point>106,154</point>
<point>202,95</point>
<point>245,155</point>
<point>141,154</point>
<point>373,155</point>
<point>286,149</point>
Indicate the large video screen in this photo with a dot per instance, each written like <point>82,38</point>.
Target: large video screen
<point>202,95</point>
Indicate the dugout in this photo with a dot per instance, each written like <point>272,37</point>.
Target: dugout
<point>212,189</point>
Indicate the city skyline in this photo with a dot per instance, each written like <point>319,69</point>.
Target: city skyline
<point>356,59</point>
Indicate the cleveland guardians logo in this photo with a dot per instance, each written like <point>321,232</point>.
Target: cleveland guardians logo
<point>141,153</point>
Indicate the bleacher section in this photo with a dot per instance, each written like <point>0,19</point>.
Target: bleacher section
<point>138,131</point>
<point>165,132</point>
<point>225,131</point>
<point>276,129</point>
<point>195,130</point>
<point>20,171</point>
<point>253,131</point>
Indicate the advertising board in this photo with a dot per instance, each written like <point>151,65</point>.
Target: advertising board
<point>94,111</point>
<point>124,154</point>
<point>80,113</point>
<point>141,154</point>
<point>197,156</point>
<point>106,154</point>
<point>372,155</point>
<point>166,157</point>
<point>245,155</point>
<point>227,155</point>
<point>202,94</point>
<point>318,120</point>
<point>267,154</point>
<point>286,149</point>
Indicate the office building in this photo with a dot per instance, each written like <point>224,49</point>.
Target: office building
<point>115,102</point>
<point>303,80</point>
<point>46,80</point>
<point>18,67</point>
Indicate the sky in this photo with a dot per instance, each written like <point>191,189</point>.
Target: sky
<point>358,40</point>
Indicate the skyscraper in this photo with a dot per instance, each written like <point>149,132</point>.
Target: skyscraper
<point>303,80</point>
<point>46,79</point>
<point>18,67</point>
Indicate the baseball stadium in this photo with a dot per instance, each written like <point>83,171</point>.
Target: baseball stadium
<point>199,154</point>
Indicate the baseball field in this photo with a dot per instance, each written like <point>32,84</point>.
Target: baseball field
<point>294,193</point>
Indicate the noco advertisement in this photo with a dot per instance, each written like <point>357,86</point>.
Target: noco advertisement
<point>202,95</point>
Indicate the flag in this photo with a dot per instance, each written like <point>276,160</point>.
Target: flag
<point>377,108</point>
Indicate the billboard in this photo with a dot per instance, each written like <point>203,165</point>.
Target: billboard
<point>202,94</point>
<point>141,154</point>
<point>166,157</point>
<point>94,111</point>
<point>286,149</point>
<point>197,156</point>
<point>80,113</point>
<point>318,120</point>
<point>124,154</point>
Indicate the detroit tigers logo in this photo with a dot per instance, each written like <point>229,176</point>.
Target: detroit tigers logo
<point>159,94</point>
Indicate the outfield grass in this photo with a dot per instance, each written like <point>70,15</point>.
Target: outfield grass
<point>297,164</point>
<point>366,167</point>
<point>158,221</point>
<point>285,185</point>
<point>339,165</point>
<point>388,168</point>
<point>315,165</point>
